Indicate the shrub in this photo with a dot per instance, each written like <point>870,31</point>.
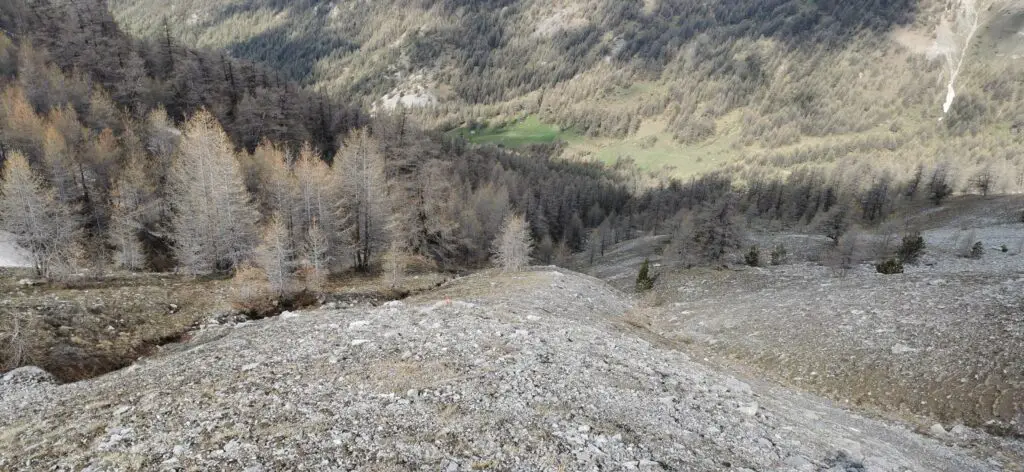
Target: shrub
<point>752,257</point>
<point>911,248</point>
<point>890,266</point>
<point>977,250</point>
<point>779,255</point>
<point>834,224</point>
<point>644,281</point>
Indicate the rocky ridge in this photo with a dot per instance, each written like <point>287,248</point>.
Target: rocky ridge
<point>530,371</point>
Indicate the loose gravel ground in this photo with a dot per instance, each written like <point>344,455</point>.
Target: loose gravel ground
<point>544,370</point>
<point>940,346</point>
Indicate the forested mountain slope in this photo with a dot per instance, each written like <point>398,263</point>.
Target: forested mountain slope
<point>751,85</point>
<point>151,155</point>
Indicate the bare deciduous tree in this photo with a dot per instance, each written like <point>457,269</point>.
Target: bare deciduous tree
<point>316,256</point>
<point>275,257</point>
<point>363,211</point>
<point>41,224</point>
<point>983,181</point>
<point>514,243</point>
<point>396,259</point>
<point>315,193</point>
<point>128,202</point>
<point>213,221</point>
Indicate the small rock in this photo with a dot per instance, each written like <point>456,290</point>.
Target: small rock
<point>799,463</point>
<point>289,314</point>
<point>583,429</point>
<point>178,450</point>
<point>902,349</point>
<point>650,465</point>
<point>358,324</point>
<point>937,430</point>
<point>749,409</point>
<point>412,393</point>
<point>359,342</point>
<point>248,367</point>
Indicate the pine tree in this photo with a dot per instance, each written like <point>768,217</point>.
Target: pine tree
<point>39,222</point>
<point>213,221</point>
<point>644,281</point>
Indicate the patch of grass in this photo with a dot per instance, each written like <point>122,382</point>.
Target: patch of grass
<point>653,149</point>
<point>529,130</point>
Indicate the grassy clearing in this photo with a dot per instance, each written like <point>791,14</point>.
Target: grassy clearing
<point>651,147</point>
<point>523,132</point>
<point>654,150</point>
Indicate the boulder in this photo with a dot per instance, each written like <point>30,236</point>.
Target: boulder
<point>28,375</point>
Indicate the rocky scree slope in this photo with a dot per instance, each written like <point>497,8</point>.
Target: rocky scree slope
<point>531,371</point>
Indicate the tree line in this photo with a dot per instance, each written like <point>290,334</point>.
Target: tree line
<point>171,175</point>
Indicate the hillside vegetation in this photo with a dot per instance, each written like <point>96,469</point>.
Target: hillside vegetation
<point>748,85</point>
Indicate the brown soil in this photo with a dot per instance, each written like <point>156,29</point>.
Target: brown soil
<point>90,327</point>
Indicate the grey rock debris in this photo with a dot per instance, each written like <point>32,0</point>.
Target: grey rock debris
<point>539,374</point>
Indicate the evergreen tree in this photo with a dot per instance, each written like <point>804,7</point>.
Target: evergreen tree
<point>644,281</point>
